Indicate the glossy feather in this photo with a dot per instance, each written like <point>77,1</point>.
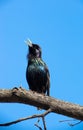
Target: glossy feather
<point>37,73</point>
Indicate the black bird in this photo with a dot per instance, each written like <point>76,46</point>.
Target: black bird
<point>37,73</point>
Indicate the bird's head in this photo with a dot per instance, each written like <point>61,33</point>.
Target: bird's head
<point>34,50</point>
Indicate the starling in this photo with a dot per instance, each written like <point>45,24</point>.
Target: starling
<point>37,73</point>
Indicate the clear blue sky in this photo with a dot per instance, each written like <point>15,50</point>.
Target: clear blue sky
<point>57,26</point>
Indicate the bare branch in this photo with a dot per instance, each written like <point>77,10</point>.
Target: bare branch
<point>20,95</point>
<point>36,124</point>
<point>38,127</point>
<point>72,124</point>
<point>27,118</point>
<point>43,119</point>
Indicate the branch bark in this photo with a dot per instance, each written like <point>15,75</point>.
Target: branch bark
<point>20,95</point>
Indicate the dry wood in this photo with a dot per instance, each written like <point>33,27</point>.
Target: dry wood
<point>20,95</point>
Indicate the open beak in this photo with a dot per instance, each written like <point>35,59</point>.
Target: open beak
<point>29,42</point>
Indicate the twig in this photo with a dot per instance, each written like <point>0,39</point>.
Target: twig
<point>38,127</point>
<point>27,118</point>
<point>70,124</point>
<point>75,123</point>
<point>43,119</point>
<point>66,120</point>
<point>36,124</point>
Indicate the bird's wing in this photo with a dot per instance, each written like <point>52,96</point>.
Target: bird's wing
<point>48,81</point>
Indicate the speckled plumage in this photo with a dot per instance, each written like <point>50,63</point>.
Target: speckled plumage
<point>37,73</point>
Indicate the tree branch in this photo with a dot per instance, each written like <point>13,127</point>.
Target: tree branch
<point>27,118</point>
<point>20,95</point>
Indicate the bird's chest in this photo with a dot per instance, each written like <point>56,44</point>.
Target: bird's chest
<point>36,66</point>
<point>36,69</point>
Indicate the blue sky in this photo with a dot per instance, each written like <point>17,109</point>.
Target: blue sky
<point>57,26</point>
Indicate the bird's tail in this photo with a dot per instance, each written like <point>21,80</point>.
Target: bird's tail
<point>48,92</point>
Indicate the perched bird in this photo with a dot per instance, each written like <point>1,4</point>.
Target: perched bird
<point>37,73</point>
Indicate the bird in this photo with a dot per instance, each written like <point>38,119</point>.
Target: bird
<point>37,73</point>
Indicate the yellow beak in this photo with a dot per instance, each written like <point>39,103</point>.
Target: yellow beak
<point>29,42</point>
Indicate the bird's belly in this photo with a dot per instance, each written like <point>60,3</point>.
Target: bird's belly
<point>37,78</point>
